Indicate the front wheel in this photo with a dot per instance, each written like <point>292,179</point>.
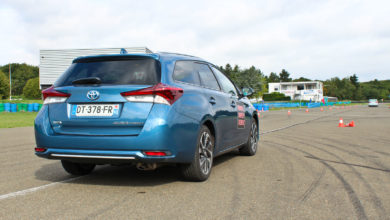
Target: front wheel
<point>250,147</point>
<point>77,169</point>
<point>200,168</point>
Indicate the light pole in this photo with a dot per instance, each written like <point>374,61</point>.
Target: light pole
<point>10,82</point>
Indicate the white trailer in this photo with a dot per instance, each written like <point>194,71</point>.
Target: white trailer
<point>54,62</point>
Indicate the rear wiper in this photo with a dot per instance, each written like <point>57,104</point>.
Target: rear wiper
<point>88,80</point>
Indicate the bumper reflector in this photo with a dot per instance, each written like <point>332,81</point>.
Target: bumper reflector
<point>40,149</point>
<point>155,153</point>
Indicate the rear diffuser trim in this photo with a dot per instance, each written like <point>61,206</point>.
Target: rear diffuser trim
<point>94,156</point>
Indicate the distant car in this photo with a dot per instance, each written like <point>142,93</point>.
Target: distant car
<point>144,109</point>
<point>372,103</point>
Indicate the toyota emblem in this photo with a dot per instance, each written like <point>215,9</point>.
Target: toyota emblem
<point>93,95</point>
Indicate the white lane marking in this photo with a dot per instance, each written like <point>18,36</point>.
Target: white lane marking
<point>369,116</point>
<point>34,189</point>
<point>299,123</point>
<point>292,125</point>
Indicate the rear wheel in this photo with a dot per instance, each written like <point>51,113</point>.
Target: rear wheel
<point>250,147</point>
<point>200,168</point>
<point>77,169</point>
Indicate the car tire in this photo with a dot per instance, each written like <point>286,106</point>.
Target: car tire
<point>250,147</point>
<point>200,168</point>
<point>77,169</point>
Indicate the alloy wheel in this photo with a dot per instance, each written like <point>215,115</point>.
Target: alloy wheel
<point>253,137</point>
<point>205,153</point>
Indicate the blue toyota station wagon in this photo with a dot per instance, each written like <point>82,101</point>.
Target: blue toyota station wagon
<point>144,109</point>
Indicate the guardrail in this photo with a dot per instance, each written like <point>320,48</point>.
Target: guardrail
<point>20,107</point>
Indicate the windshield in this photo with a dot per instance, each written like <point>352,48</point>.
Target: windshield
<point>113,71</point>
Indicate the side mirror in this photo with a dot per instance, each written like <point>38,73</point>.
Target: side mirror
<point>247,91</point>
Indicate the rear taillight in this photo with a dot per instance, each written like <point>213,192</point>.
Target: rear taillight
<point>50,95</point>
<point>160,93</point>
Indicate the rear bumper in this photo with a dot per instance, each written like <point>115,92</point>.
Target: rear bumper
<point>163,131</point>
<point>103,157</point>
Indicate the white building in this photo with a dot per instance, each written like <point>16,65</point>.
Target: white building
<point>312,90</point>
<point>54,62</point>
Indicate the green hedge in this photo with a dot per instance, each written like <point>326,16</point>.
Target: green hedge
<point>275,96</point>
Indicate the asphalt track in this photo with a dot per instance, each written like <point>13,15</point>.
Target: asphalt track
<point>306,168</point>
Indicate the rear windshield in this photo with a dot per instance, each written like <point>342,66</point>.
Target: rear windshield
<point>113,71</point>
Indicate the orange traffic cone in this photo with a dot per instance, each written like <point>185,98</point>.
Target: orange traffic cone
<point>307,110</point>
<point>289,112</point>
<point>351,124</point>
<point>322,109</point>
<point>341,123</point>
<point>330,108</point>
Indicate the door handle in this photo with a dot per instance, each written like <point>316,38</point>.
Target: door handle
<point>212,100</point>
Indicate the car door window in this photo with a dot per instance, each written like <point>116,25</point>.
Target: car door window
<point>207,77</point>
<point>226,85</point>
<point>185,72</point>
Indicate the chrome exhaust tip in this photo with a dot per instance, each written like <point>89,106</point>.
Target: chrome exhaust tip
<point>146,166</point>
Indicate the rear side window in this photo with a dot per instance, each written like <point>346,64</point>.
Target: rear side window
<point>185,72</point>
<point>114,71</point>
<point>226,85</point>
<point>206,76</point>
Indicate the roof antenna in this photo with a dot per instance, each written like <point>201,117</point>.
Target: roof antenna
<point>123,51</point>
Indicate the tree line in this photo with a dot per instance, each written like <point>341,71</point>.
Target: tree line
<point>348,88</point>
<point>25,82</point>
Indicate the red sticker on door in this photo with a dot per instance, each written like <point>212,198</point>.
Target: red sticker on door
<point>240,115</point>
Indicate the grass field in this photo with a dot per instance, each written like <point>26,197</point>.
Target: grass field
<point>17,119</point>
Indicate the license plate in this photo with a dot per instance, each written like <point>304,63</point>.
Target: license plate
<point>95,110</point>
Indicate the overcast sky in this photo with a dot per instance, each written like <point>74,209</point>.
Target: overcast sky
<point>317,39</point>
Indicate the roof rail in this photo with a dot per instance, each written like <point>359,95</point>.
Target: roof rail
<point>91,51</point>
<point>147,50</point>
<point>182,54</point>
